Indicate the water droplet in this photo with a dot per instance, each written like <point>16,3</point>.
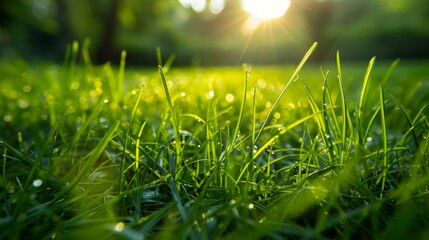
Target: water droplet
<point>120,226</point>
<point>229,97</point>
<point>183,94</point>
<point>106,100</point>
<point>232,202</point>
<point>37,183</point>
<point>251,206</point>
<point>369,139</point>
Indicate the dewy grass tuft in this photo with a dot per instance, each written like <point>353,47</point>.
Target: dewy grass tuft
<point>199,154</point>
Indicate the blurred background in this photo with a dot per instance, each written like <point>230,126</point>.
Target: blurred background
<point>214,32</point>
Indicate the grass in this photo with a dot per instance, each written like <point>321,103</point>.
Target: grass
<point>262,153</point>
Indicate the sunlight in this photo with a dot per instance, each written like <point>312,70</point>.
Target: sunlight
<point>266,9</point>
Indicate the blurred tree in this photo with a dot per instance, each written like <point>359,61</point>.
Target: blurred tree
<point>41,28</point>
<point>109,32</point>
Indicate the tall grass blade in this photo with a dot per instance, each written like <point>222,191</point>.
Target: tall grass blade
<point>344,112</point>
<point>364,86</point>
<point>390,71</point>
<point>292,78</point>
<point>407,116</point>
<point>174,120</point>
<point>385,140</point>
<point>94,155</point>
<point>120,83</point>
<point>232,146</point>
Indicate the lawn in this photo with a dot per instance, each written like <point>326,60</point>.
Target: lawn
<point>300,151</point>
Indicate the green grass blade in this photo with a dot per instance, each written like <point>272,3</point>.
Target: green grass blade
<point>407,116</point>
<point>174,120</point>
<point>344,111</point>
<point>120,84</point>
<point>96,153</point>
<point>292,78</point>
<point>385,140</point>
<point>364,86</point>
<point>390,71</point>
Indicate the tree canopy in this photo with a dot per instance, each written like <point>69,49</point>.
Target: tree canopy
<point>214,32</point>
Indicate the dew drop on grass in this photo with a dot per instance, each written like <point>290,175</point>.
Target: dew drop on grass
<point>106,100</point>
<point>369,139</point>
<point>23,103</point>
<point>229,97</point>
<point>251,206</point>
<point>37,183</point>
<point>120,226</point>
<point>210,94</point>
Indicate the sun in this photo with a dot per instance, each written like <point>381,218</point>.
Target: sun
<point>266,9</point>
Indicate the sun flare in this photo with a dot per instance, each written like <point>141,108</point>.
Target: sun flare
<point>266,9</point>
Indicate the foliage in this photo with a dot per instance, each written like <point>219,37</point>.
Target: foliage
<point>212,153</point>
<point>387,29</point>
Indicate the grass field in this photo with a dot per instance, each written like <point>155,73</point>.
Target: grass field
<point>271,152</point>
